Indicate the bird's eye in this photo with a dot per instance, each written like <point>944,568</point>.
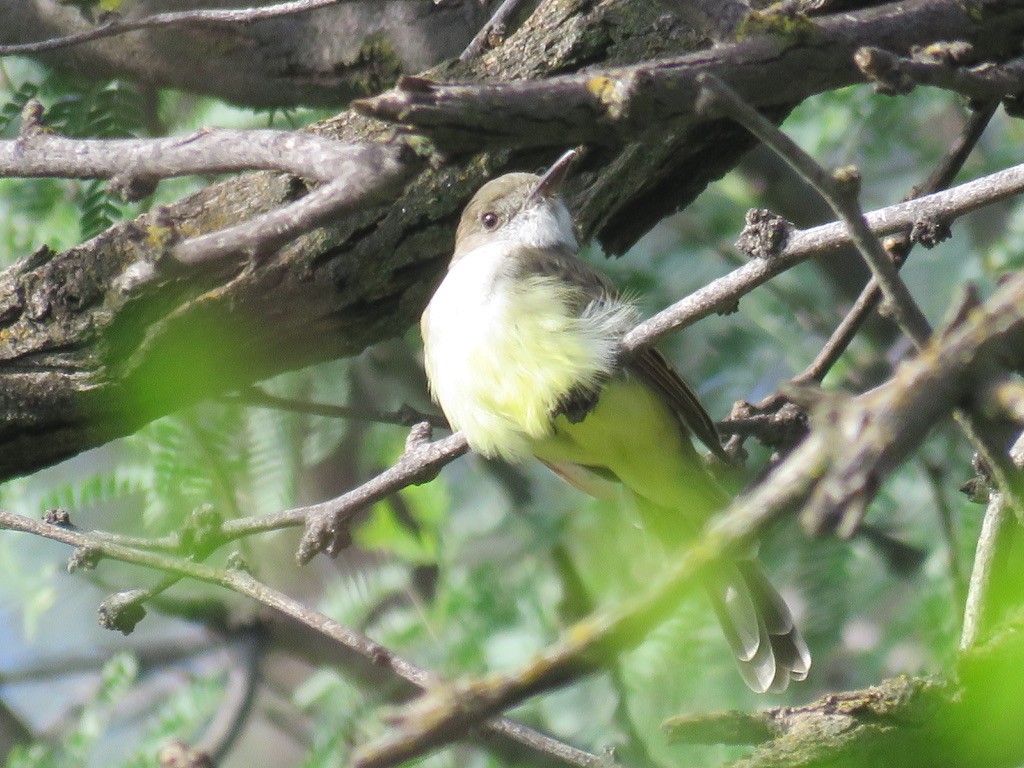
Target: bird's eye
<point>489,220</point>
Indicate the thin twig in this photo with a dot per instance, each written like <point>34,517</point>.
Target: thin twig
<point>244,678</point>
<point>326,523</point>
<point>548,746</point>
<point>406,416</point>
<point>841,198</point>
<point>118,26</point>
<point>577,603</point>
<point>151,655</point>
<point>799,245</point>
<point>948,526</point>
<point>495,30</point>
<point>997,528</point>
<point>869,297</point>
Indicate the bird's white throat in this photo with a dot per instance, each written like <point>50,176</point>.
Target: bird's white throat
<point>545,225</point>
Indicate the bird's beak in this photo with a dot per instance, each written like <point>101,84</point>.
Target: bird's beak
<point>551,182</point>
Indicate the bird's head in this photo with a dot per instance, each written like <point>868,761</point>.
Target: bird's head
<point>520,208</point>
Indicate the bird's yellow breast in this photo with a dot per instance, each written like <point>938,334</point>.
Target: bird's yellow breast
<point>501,353</point>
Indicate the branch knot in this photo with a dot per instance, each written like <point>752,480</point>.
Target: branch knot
<point>764,234</point>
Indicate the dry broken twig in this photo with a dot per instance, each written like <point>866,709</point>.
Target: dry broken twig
<point>944,65</point>
<point>363,186</point>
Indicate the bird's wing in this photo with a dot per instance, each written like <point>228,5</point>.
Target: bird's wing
<point>654,368</point>
<point>650,365</point>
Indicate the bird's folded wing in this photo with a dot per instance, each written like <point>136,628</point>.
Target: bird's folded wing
<point>652,366</point>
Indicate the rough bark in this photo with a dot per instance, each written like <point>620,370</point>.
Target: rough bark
<point>86,356</point>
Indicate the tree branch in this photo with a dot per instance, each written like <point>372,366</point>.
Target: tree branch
<point>39,152</point>
<point>326,523</point>
<point>239,697</point>
<point>406,416</point>
<point>992,574</point>
<point>995,528</point>
<point>243,583</point>
<point>356,176</point>
<point>269,63</point>
<point>117,25</point>
<point>604,106</point>
<point>362,186</point>
<point>795,246</point>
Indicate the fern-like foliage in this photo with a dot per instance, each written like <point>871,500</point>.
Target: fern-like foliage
<point>108,110</point>
<point>113,111</point>
<point>11,109</point>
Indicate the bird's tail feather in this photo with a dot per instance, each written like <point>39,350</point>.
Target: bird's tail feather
<point>769,650</point>
<point>768,647</point>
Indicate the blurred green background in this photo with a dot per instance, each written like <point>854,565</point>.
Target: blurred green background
<point>473,572</point>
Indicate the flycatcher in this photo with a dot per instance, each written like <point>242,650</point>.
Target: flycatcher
<point>521,343</point>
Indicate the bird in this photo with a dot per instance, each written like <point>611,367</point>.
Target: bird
<point>521,346</point>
